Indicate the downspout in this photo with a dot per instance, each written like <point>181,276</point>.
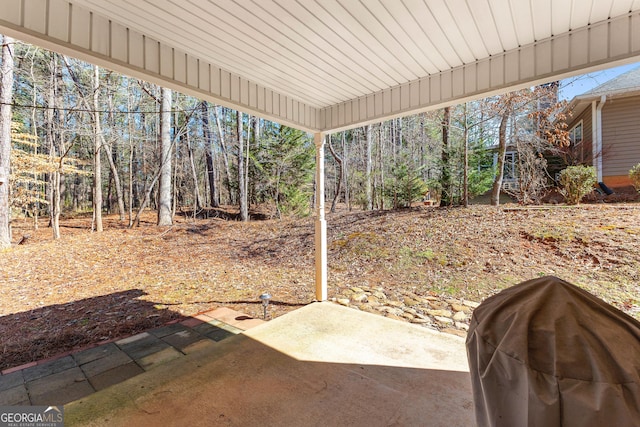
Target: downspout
<point>597,146</point>
<point>320,222</point>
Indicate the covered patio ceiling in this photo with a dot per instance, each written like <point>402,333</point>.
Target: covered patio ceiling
<point>327,65</point>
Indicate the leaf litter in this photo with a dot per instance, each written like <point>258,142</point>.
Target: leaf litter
<point>87,288</point>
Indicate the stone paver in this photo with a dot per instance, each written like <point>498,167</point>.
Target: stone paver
<point>73,376</point>
<point>11,380</point>
<point>183,339</point>
<point>168,330</point>
<point>15,396</point>
<point>95,353</point>
<point>52,367</point>
<point>154,359</point>
<point>59,388</point>
<point>63,395</point>
<point>115,375</point>
<point>98,366</point>
<point>141,345</point>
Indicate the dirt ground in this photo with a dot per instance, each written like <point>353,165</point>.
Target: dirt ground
<point>89,287</point>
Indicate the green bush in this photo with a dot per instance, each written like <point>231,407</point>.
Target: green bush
<point>634,174</point>
<point>576,182</point>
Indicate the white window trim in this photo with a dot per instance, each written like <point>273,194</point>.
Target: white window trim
<point>572,131</point>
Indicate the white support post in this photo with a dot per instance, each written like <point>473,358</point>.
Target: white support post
<point>320,222</point>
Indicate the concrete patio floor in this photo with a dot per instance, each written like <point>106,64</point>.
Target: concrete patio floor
<point>323,365</point>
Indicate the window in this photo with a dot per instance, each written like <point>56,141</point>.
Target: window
<point>575,134</point>
<point>510,166</point>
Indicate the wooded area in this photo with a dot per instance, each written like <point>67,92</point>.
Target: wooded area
<point>85,139</point>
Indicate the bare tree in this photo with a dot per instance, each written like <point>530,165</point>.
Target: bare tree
<point>209,155</point>
<point>368,167</point>
<point>242,189</point>
<point>164,191</point>
<point>223,149</point>
<point>97,162</point>
<point>6,94</point>
<point>339,176</point>
<point>445,178</point>
<point>502,150</point>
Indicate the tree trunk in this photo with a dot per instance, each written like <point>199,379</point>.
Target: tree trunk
<point>196,189</point>
<point>369,143</point>
<point>97,163</point>
<point>339,176</point>
<point>465,184</point>
<point>209,156</point>
<point>242,190</point>
<point>502,150</point>
<point>445,178</point>
<point>345,171</point>
<point>246,160</point>
<point>54,177</point>
<point>108,147</point>
<point>223,149</point>
<point>6,94</point>
<point>381,164</point>
<point>164,192</point>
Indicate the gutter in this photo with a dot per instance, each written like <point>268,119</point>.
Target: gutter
<point>596,147</point>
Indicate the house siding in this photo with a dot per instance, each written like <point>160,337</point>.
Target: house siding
<point>620,136</point>
<point>575,155</point>
<point>586,150</point>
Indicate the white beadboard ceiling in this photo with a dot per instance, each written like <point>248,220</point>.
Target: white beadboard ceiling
<point>340,63</point>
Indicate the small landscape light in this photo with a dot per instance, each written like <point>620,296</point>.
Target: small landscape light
<point>265,302</point>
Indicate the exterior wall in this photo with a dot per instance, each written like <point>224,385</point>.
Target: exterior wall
<point>580,154</point>
<point>584,151</point>
<point>620,139</point>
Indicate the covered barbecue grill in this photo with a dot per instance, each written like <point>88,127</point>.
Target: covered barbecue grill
<point>547,353</point>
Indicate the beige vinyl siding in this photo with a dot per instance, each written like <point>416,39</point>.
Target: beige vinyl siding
<point>620,136</point>
<point>585,148</point>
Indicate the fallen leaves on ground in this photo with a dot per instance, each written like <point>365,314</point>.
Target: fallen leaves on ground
<point>87,288</point>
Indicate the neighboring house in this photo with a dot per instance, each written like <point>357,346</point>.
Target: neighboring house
<point>605,128</point>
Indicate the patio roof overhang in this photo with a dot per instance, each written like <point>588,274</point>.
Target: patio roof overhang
<point>328,65</point>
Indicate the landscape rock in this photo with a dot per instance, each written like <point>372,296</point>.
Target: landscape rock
<point>408,316</point>
<point>460,316</point>
<point>360,297</point>
<point>410,301</point>
<point>459,307</point>
<point>461,325</point>
<point>373,300</point>
<point>441,313</point>
<point>444,313</point>
<point>380,295</point>
<point>437,305</point>
<point>444,320</point>
<point>394,303</point>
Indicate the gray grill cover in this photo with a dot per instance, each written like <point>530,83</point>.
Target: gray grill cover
<point>547,353</point>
